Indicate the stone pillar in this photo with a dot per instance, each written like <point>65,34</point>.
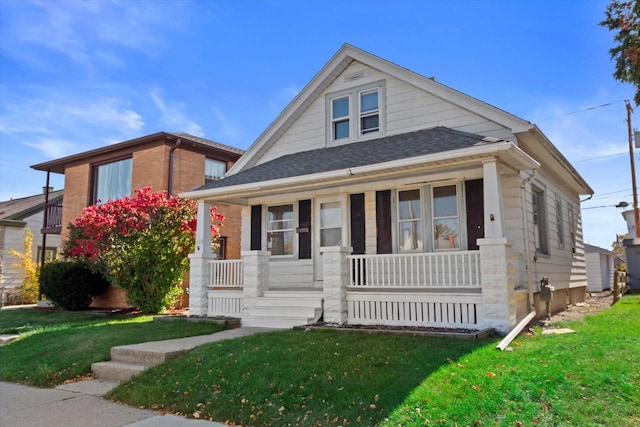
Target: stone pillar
<point>497,274</point>
<point>335,280</point>
<point>200,262</point>
<point>256,275</point>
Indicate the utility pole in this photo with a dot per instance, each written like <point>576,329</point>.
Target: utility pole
<point>636,213</point>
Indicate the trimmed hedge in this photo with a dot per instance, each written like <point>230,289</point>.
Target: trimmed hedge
<point>71,285</point>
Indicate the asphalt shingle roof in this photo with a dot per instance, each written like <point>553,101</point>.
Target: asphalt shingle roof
<point>14,208</point>
<point>396,147</point>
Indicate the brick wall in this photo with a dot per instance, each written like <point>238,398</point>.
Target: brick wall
<point>77,181</point>
<point>151,168</point>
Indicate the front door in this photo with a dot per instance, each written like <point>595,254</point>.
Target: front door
<point>329,229</point>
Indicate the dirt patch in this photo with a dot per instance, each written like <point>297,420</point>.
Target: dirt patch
<point>596,302</point>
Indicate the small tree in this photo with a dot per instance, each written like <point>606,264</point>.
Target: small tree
<point>29,289</point>
<point>624,17</point>
<point>140,244</point>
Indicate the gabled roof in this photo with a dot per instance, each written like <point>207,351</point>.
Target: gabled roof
<point>194,142</point>
<point>381,150</point>
<point>18,209</point>
<point>336,65</point>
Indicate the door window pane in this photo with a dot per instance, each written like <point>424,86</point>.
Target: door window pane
<point>280,233</point>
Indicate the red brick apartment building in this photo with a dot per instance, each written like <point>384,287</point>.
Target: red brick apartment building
<point>172,162</point>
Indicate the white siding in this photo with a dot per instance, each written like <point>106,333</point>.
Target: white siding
<point>599,271</point>
<point>407,109</point>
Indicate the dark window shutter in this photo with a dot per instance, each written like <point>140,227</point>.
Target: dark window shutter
<point>304,236</point>
<point>256,227</point>
<point>474,198</point>
<point>357,224</point>
<point>383,222</point>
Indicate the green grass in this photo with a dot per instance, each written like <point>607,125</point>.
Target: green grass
<point>334,378</point>
<point>57,346</point>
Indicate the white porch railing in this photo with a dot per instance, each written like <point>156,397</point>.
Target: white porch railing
<point>421,270</point>
<point>226,274</point>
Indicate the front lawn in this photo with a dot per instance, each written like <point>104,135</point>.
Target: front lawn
<point>335,378</point>
<point>57,345</point>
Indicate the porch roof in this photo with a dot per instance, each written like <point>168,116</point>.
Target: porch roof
<point>439,145</point>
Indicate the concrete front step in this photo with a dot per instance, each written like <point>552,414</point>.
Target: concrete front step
<point>117,371</point>
<point>280,322</point>
<point>285,311</point>
<point>129,354</point>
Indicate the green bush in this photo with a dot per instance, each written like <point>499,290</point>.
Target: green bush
<point>71,285</point>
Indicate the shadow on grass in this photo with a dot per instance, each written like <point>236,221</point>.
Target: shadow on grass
<point>295,377</point>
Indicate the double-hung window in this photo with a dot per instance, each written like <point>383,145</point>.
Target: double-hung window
<point>409,221</point>
<point>446,223</point>
<point>369,112</point>
<point>112,181</point>
<point>340,126</point>
<point>280,230</point>
<point>560,222</point>
<point>214,170</point>
<point>356,113</point>
<point>540,222</point>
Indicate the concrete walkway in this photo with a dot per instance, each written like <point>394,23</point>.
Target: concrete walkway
<point>80,404</point>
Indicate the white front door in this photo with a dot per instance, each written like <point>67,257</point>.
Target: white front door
<point>329,228</point>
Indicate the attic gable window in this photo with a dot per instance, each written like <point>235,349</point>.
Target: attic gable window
<point>356,113</point>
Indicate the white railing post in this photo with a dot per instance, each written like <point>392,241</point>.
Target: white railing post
<point>336,266</point>
<point>255,276</point>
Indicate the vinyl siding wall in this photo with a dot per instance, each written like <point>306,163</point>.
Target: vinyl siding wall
<point>407,109</point>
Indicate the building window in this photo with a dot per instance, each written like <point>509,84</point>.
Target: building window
<point>112,181</point>
<point>214,170</point>
<point>560,221</point>
<point>540,222</point>
<point>356,113</point>
<point>50,253</point>
<point>220,247</point>
<point>572,229</point>
<point>340,118</point>
<point>369,112</point>
<point>446,225</point>
<point>280,230</point>
<point>409,221</point>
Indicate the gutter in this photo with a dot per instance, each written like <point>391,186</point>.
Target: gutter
<point>171,160</point>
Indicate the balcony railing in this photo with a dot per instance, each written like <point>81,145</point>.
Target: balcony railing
<point>420,270</point>
<point>53,223</point>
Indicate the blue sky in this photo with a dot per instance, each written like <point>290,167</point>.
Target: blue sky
<point>77,75</point>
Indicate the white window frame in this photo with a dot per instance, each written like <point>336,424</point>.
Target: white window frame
<point>366,114</point>
<point>294,249</point>
<point>355,116</point>
<point>340,119</point>
<point>560,223</point>
<point>457,240</point>
<point>420,220</point>
<point>572,228</point>
<point>540,220</point>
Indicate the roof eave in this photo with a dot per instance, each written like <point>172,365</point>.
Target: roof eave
<point>505,151</point>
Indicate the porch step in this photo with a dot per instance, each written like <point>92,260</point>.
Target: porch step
<point>117,371</point>
<point>284,309</point>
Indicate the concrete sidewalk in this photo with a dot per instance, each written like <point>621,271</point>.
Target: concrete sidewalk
<point>80,404</point>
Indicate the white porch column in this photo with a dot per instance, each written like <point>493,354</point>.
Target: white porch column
<point>335,280</point>
<point>256,276</point>
<point>200,262</point>
<point>496,266</point>
<point>493,225</point>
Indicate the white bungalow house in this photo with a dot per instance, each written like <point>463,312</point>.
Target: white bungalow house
<point>379,196</point>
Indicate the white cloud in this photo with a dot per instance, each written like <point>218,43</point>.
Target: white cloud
<point>52,147</point>
<point>173,117</point>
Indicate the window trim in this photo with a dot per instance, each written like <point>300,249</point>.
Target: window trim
<point>341,119</point>
<point>421,220</point>
<point>458,216</point>
<point>366,114</point>
<point>354,96</point>
<point>541,221</point>
<point>560,223</point>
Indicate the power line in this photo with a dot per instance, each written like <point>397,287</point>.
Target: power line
<point>581,111</point>
<point>601,157</point>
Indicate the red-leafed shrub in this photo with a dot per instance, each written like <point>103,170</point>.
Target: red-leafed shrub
<point>140,244</point>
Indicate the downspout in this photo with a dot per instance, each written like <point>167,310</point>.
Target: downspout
<point>527,249</point>
<point>171,157</point>
<point>45,219</point>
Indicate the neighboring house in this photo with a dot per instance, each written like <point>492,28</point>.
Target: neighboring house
<point>172,162</point>
<point>379,196</point>
<point>601,264</point>
<point>16,216</point>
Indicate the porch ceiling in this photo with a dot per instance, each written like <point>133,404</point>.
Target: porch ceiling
<point>502,151</point>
